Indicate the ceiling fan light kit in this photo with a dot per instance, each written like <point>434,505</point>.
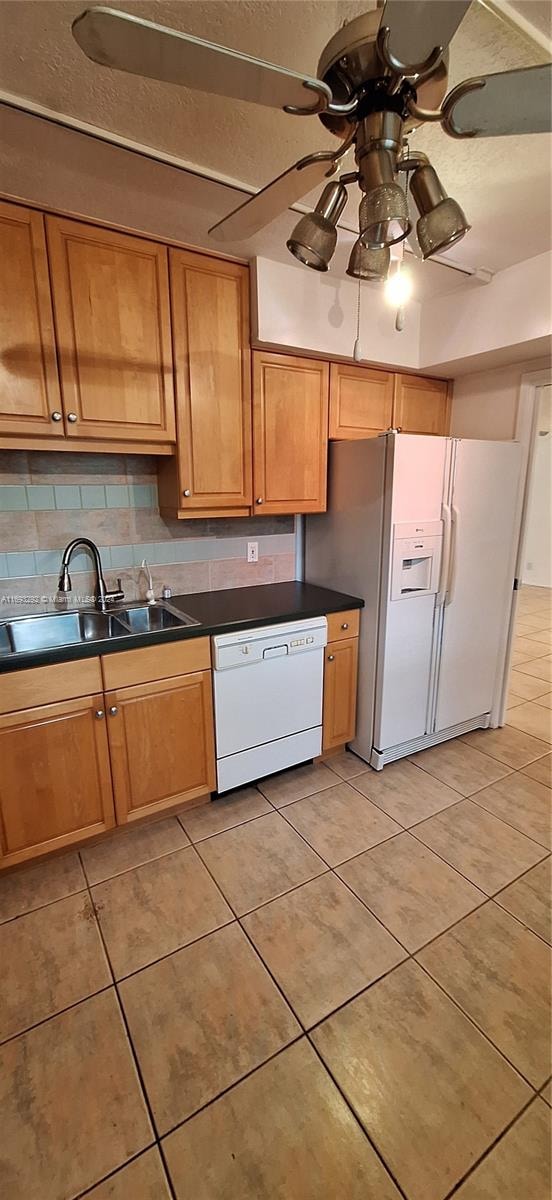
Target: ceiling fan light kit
<point>380,76</point>
<point>368,262</point>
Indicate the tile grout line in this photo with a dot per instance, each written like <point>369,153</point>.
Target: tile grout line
<point>132,1049</point>
<point>112,1174</point>
<point>488,1151</point>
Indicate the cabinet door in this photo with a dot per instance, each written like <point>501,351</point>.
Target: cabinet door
<point>290,433</point>
<point>111,303</point>
<point>421,405</point>
<point>210,315</point>
<point>162,743</point>
<point>29,387</point>
<point>55,782</point>
<point>361,401</point>
<point>340,687</point>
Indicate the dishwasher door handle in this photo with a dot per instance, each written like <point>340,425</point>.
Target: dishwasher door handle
<point>274,651</point>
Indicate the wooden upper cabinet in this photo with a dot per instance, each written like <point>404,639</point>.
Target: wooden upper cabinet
<point>210,320</point>
<point>55,782</point>
<point>29,387</point>
<point>290,433</point>
<point>161,740</point>
<point>421,405</point>
<point>361,401</point>
<point>112,312</point>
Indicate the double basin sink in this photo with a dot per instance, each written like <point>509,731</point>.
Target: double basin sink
<point>51,631</point>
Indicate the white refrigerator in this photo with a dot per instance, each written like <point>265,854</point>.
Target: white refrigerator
<point>423,529</point>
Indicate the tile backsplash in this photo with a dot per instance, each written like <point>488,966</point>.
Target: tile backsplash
<point>47,498</point>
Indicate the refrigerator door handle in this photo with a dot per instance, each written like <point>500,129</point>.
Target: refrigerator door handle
<point>445,560</point>
<point>455,517</point>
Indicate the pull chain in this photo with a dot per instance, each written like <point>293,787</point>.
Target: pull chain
<point>357,349</point>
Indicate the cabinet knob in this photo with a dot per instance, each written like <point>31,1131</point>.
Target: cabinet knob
<point>71,417</point>
<point>187,492</point>
<point>345,625</point>
<point>113,710</point>
<point>99,714</point>
<point>259,500</point>
<point>331,657</point>
<point>56,416</point>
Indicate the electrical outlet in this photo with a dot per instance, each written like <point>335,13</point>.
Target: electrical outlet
<point>252,552</point>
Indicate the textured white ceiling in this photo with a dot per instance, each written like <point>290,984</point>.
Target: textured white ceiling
<point>503,183</point>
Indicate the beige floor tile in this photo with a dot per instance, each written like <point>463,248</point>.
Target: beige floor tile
<point>523,803</point>
<point>547,1092</point>
<point>294,785</point>
<point>142,1179</point>
<point>259,861</point>
<point>284,1132</point>
<point>157,908</point>
<point>224,813</point>
<point>530,899</point>
<point>541,637</point>
<point>346,764</point>
<point>480,846</point>
<point>545,701</point>
<point>405,792</point>
<point>322,946</point>
<point>533,719</point>
<point>518,658</point>
<point>533,623</point>
<point>518,1167</point>
<point>30,887</point>
<point>340,823</point>
<point>523,628</point>
<point>415,894</point>
<point>526,687</point>
<point>200,1020</point>
<point>499,974</point>
<point>460,766</point>
<point>539,668</point>
<point>428,1087</point>
<point>541,770</point>
<point>51,959</point>
<point>529,649</point>
<point>72,1108</point>
<point>510,746</point>
<point>127,848</point>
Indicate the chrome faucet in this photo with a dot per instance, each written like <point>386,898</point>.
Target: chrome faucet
<point>101,595</point>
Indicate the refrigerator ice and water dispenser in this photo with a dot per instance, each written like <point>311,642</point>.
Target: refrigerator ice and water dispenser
<point>416,559</point>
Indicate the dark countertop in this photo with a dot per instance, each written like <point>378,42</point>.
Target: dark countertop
<point>216,612</point>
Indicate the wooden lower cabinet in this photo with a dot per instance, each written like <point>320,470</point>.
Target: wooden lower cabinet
<point>161,743</point>
<point>340,688</point>
<point>55,781</point>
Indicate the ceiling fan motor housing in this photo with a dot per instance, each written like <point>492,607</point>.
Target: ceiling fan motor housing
<point>351,65</point>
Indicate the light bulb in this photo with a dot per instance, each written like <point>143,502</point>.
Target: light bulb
<point>398,288</point>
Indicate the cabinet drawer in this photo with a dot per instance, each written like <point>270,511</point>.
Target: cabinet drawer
<point>49,685</point>
<point>343,625</point>
<point>156,662</point>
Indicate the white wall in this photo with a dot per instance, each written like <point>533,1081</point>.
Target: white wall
<point>485,404</point>
<point>514,309</point>
<point>304,310</point>
<point>537,550</point>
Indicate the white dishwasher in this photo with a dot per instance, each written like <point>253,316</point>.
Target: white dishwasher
<point>268,699</point>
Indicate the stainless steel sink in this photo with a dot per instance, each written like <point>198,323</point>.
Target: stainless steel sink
<point>152,618</point>
<point>51,631</point>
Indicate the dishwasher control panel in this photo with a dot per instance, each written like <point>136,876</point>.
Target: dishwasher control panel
<point>271,641</point>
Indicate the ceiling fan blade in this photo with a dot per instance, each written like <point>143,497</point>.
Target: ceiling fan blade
<point>509,102</point>
<point>275,198</point>
<point>416,27</point>
<point>117,39</point>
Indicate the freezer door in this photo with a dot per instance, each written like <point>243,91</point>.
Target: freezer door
<point>480,578</point>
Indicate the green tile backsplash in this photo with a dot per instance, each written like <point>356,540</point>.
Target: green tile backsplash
<point>46,499</point>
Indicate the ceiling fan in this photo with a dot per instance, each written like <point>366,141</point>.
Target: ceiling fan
<point>379,77</point>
